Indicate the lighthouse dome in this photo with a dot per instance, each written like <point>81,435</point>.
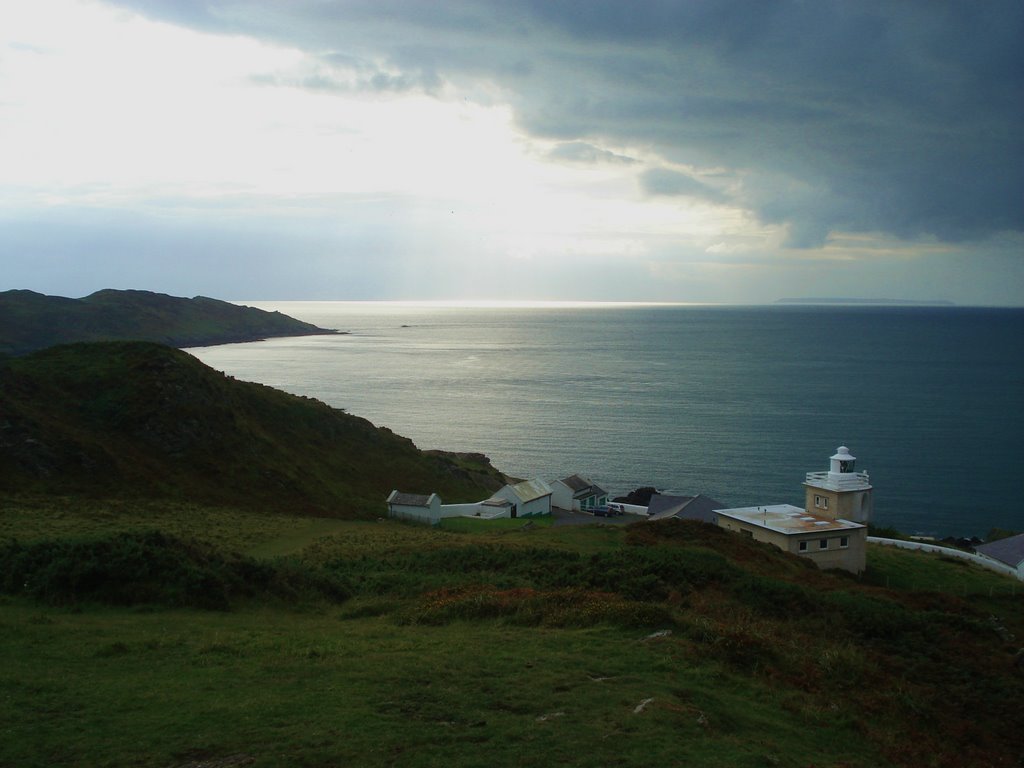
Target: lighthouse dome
<point>843,454</point>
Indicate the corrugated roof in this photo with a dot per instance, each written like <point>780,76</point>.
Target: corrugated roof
<point>496,503</point>
<point>528,490</point>
<point>410,499</point>
<point>699,507</point>
<point>662,505</point>
<point>576,483</point>
<point>1009,551</point>
<point>590,490</point>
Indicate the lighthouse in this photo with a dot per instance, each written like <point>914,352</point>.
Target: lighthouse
<point>842,492</point>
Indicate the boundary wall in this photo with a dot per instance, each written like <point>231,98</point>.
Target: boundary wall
<point>984,562</point>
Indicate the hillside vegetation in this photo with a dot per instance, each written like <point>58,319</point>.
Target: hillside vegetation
<point>140,420</point>
<point>387,644</point>
<point>30,321</point>
<point>194,574</point>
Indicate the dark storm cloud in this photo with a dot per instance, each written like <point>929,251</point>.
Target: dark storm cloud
<point>899,117</point>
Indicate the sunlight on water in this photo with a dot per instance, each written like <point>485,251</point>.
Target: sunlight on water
<point>735,402</point>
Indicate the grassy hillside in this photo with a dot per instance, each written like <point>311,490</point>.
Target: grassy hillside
<point>31,321</point>
<point>139,420</point>
<point>383,644</point>
<point>185,582</point>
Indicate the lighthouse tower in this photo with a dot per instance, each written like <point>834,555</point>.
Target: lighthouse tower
<point>842,492</point>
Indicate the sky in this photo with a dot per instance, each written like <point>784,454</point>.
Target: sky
<point>738,151</point>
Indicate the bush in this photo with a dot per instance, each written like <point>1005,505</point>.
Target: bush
<point>781,599</point>
<point>874,619</point>
<point>642,573</point>
<point>151,567</point>
<point>530,607</point>
<point>653,573</point>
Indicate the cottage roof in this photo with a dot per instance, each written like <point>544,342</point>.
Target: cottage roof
<point>496,502</point>
<point>1009,551</point>
<point>582,488</point>
<point>409,499</point>
<point>576,483</point>
<point>593,490</point>
<point>528,490</point>
<point>787,519</point>
<point>699,507</point>
<point>665,505</point>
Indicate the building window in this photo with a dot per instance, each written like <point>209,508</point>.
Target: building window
<point>844,541</point>
<point>823,544</point>
<point>745,532</point>
<point>821,502</point>
<point>803,546</point>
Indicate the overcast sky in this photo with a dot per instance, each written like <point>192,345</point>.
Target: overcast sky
<point>731,151</point>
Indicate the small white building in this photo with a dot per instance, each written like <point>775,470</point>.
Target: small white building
<point>575,494</point>
<point>412,506</point>
<point>526,499</point>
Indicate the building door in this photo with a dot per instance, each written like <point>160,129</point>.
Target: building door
<point>513,510</point>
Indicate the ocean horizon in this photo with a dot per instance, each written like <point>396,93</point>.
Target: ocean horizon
<point>737,402</point>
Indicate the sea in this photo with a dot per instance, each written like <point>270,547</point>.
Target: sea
<point>734,402</point>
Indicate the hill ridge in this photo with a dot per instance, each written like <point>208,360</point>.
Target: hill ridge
<point>142,420</point>
<point>30,321</point>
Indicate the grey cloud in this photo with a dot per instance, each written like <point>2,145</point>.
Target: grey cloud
<point>585,153</point>
<point>662,181</point>
<point>338,82</point>
<point>861,116</point>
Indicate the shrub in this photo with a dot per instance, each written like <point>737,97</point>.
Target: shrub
<point>151,567</point>
<point>782,599</point>
<point>530,607</point>
<point>872,618</point>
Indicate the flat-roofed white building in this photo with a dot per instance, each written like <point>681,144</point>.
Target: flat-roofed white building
<point>830,543</point>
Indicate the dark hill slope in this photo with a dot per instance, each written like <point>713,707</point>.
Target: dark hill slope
<point>133,419</point>
<point>31,321</point>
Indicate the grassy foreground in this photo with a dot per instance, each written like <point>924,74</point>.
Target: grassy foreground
<point>654,645</point>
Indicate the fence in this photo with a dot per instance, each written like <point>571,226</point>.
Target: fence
<point>984,562</point>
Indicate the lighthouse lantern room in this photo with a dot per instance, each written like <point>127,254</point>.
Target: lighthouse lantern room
<point>842,492</point>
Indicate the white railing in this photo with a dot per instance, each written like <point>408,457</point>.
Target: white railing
<point>827,480</point>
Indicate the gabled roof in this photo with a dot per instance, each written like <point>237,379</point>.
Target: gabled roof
<point>699,507</point>
<point>1009,551</point>
<point>590,490</point>
<point>582,488</point>
<point>663,505</point>
<point>528,490</point>
<point>496,503</point>
<point>409,499</point>
<point>576,483</point>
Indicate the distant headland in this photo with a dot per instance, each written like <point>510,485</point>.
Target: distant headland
<point>30,321</point>
<point>866,302</point>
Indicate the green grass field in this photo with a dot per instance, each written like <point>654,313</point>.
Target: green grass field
<point>116,687</point>
<point>903,569</point>
<point>494,644</point>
